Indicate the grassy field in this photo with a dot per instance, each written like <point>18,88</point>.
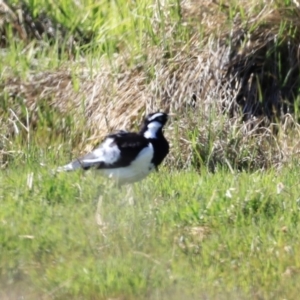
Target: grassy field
<point>197,236</point>
<point>221,218</point>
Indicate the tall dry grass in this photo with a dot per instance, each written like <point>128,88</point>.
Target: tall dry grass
<point>233,85</point>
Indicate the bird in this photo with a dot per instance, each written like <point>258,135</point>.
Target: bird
<point>127,157</point>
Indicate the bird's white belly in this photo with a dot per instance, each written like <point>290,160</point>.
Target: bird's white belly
<point>136,171</point>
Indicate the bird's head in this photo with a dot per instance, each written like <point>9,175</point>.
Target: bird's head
<point>153,124</point>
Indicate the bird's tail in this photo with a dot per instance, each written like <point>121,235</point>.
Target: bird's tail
<point>72,166</point>
<point>77,164</point>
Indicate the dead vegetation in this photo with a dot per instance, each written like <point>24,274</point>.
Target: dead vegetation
<point>234,91</point>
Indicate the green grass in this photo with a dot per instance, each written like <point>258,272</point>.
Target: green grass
<point>212,236</point>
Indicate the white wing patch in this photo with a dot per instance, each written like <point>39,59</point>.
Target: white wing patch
<point>107,152</point>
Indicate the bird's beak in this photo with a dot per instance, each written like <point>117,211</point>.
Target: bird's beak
<point>172,114</point>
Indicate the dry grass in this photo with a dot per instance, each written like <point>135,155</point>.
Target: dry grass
<point>234,91</point>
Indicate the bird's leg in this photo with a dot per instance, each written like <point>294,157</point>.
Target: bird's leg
<point>129,195</point>
<point>98,217</point>
<point>99,206</point>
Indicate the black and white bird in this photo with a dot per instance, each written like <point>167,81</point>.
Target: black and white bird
<point>125,156</point>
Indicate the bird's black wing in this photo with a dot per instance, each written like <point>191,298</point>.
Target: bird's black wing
<point>129,144</point>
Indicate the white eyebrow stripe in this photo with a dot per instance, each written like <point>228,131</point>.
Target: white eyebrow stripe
<point>155,116</point>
